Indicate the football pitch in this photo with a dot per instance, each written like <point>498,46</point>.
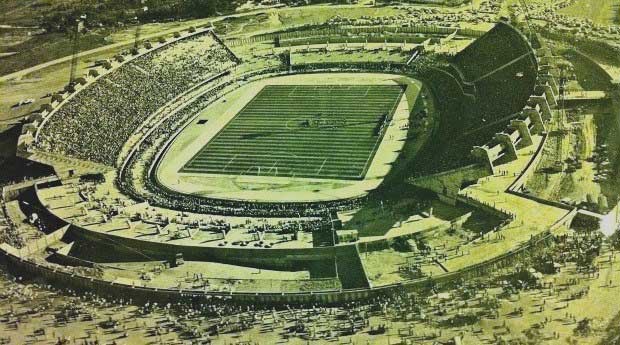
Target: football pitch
<point>325,131</point>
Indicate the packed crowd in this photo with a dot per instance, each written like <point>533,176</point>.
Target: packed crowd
<point>142,187</point>
<point>9,232</point>
<point>96,123</point>
<point>428,16</point>
<point>290,226</point>
<point>111,207</point>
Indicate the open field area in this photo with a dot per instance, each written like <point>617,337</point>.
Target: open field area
<point>268,186</point>
<point>302,131</point>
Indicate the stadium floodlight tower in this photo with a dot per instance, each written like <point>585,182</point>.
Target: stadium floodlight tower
<point>75,49</point>
<point>139,24</point>
<point>526,13</point>
<point>561,114</point>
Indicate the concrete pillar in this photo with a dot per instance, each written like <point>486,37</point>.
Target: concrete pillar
<point>58,97</point>
<point>524,132</point>
<point>507,144</point>
<point>543,52</point>
<point>545,108</point>
<point>482,155</point>
<point>538,126</point>
<point>545,68</point>
<point>547,91</point>
<point>546,59</point>
<point>549,79</point>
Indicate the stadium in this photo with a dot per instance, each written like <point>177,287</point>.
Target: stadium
<point>318,165</point>
<point>296,142</point>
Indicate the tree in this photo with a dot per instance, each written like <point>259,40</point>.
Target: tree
<point>584,327</point>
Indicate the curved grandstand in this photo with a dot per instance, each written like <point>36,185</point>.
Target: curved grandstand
<point>496,75</point>
<point>188,156</point>
<point>124,96</point>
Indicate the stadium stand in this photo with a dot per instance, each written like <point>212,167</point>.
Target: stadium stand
<point>502,67</point>
<point>480,92</point>
<point>143,185</point>
<point>109,111</point>
<point>483,87</point>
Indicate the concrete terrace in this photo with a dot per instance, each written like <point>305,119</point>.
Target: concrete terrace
<point>530,217</point>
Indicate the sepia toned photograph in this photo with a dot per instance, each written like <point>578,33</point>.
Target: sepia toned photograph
<point>259,172</point>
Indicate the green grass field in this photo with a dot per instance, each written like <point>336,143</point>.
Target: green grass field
<point>308,131</point>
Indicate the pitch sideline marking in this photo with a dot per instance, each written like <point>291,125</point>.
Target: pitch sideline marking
<point>294,89</point>
<point>230,161</point>
<point>321,168</point>
<point>273,166</point>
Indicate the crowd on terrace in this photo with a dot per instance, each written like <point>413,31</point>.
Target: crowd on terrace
<point>429,16</point>
<point>106,208</point>
<point>10,232</point>
<point>124,99</point>
<point>96,123</point>
<point>140,186</point>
